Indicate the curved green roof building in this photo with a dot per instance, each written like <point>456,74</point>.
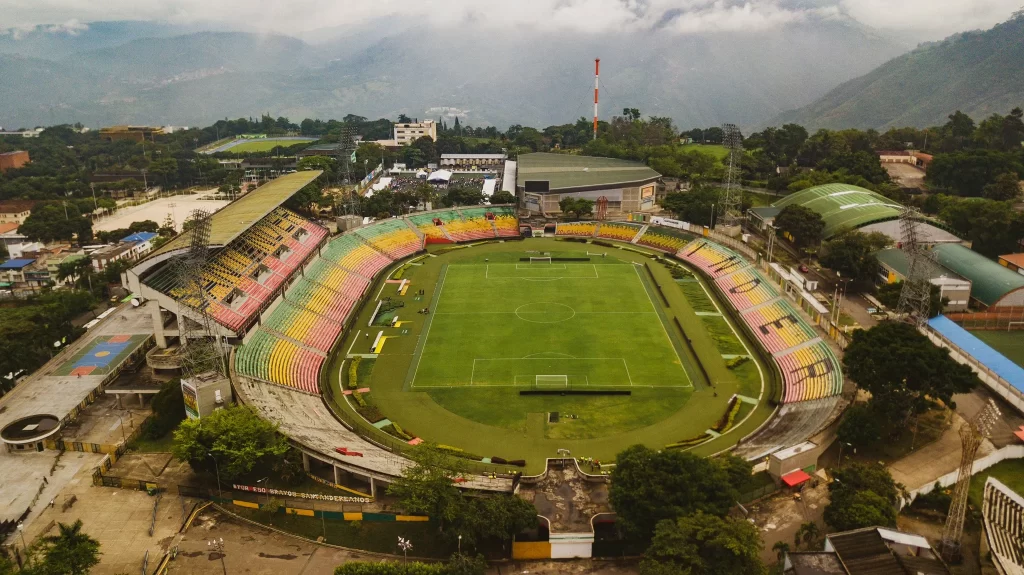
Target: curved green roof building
<point>844,206</point>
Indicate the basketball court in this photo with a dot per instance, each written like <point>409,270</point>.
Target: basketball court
<point>102,355</point>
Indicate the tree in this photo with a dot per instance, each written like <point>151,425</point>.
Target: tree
<point>168,410</point>
<point>70,551</point>
<point>904,371</point>
<point>862,496</point>
<point>238,439</point>
<point>496,517</point>
<point>804,224</point>
<point>694,206</point>
<point>961,127</point>
<point>428,486</point>
<point>851,253</point>
<point>648,486</point>
<point>780,548</point>
<point>459,195</point>
<point>579,206</point>
<point>144,226</point>
<point>1006,187</point>
<point>702,544</point>
<point>861,426</point>
<point>807,534</point>
<point>503,197</point>
<point>966,173</point>
<point>889,295</point>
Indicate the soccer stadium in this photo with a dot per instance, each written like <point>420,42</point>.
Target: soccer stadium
<point>453,327</point>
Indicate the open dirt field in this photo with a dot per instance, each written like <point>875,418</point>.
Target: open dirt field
<point>157,210</point>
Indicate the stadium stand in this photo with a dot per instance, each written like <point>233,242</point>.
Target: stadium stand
<point>240,278</point>
<point>580,229</point>
<point>279,361</point>
<point>431,224</point>
<point>352,254</point>
<point>474,225</point>
<point>392,237</point>
<point>618,231</point>
<point>747,288</point>
<point>810,372</point>
<point>713,259</point>
<point>778,326</point>
<point>506,224</point>
<point>1003,513</point>
<point>301,324</point>
<point>662,240</point>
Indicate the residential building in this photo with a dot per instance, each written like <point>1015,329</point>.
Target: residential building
<point>12,273</point>
<point>409,132</point>
<point>21,133</point>
<point>130,133</point>
<point>13,160</point>
<point>103,257</point>
<point>142,243</point>
<point>16,211</point>
<point>868,551</point>
<point>54,262</point>
<point>1014,262</point>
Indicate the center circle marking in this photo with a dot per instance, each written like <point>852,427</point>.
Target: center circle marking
<point>545,312</point>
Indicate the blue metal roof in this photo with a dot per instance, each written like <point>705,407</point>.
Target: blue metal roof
<point>980,351</point>
<point>16,264</point>
<point>139,237</point>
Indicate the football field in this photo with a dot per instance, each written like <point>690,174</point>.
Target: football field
<point>548,325</point>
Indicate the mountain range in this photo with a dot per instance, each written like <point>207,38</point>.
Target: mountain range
<point>978,73</point>
<point>146,73</point>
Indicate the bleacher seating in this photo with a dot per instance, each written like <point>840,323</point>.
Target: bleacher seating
<point>747,288</point>
<point>279,361</point>
<point>239,278</point>
<point>301,324</point>
<point>811,372</point>
<point>660,239</point>
<point>1003,513</point>
<point>351,253</point>
<point>778,326</point>
<point>506,222</point>
<point>320,300</point>
<point>618,231</point>
<point>392,237</point>
<point>426,224</point>
<point>576,229</point>
<point>715,260</point>
<point>474,225</point>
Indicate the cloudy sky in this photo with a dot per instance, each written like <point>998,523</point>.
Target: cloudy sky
<point>916,19</point>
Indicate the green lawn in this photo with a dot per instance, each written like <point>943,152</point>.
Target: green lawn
<point>1010,472</point>
<point>711,149</point>
<point>1008,343</point>
<point>265,145</point>
<point>454,376</point>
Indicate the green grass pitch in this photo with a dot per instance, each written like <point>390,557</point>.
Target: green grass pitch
<point>454,376</point>
<point>265,145</point>
<point>575,325</point>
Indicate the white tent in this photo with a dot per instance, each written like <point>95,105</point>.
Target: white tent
<point>489,187</point>
<point>440,176</point>
<point>382,183</point>
<point>421,174</point>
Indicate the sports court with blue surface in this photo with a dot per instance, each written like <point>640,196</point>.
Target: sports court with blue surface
<point>102,355</point>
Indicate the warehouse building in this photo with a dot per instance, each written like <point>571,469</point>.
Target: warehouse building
<point>893,267</point>
<point>992,285</point>
<point>543,179</point>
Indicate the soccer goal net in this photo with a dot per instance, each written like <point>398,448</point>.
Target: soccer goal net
<point>540,260</point>
<point>552,381</point>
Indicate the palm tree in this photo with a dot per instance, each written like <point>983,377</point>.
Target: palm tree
<point>780,548</point>
<point>70,551</point>
<point>808,533</point>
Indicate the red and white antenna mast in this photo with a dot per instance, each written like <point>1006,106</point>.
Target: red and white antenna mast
<point>597,84</point>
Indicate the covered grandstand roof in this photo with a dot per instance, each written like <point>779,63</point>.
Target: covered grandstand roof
<point>991,281</point>
<point>565,171</point>
<point>979,350</point>
<point>239,215</point>
<point>844,206</point>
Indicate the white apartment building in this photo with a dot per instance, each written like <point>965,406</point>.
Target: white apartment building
<point>407,133</point>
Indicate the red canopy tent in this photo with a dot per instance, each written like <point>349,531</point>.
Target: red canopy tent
<point>795,478</point>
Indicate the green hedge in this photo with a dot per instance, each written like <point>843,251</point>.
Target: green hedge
<point>729,416</point>
<point>689,442</point>
<point>392,568</point>
<point>353,372</point>
<point>737,361</point>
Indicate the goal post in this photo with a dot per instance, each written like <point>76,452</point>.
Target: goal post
<point>540,260</point>
<point>551,381</point>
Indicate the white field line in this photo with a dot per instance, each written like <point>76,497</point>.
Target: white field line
<point>728,321</point>
<point>426,337</point>
<point>663,328</point>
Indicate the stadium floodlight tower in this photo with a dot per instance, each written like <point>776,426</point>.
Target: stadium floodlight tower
<point>732,192</point>
<point>201,352</point>
<point>971,435</point>
<point>915,295</point>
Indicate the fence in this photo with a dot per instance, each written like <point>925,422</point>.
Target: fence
<point>997,456</point>
<point>273,507</point>
<point>1000,318</point>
